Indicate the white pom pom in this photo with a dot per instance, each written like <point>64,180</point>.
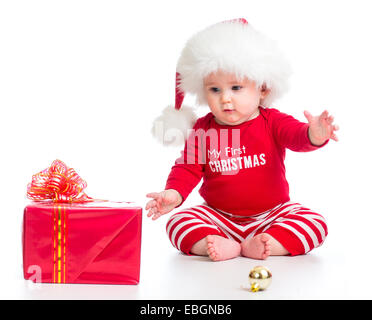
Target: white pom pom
<point>171,127</point>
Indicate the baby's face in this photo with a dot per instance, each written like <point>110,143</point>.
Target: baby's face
<point>232,100</point>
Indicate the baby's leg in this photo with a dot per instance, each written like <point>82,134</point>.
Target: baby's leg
<point>198,230</point>
<point>217,248</point>
<point>295,230</point>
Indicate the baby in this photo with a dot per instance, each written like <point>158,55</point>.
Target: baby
<point>239,149</point>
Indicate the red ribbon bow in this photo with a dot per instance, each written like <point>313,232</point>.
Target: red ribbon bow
<point>58,183</point>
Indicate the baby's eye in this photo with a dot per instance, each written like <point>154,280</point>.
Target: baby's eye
<point>214,89</point>
<point>236,87</point>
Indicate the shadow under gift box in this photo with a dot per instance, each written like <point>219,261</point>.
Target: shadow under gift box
<point>94,242</point>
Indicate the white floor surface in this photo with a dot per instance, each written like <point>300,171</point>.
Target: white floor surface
<point>328,272</point>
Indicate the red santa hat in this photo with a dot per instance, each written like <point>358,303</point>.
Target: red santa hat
<point>232,46</point>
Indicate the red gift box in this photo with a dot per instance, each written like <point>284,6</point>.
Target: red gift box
<point>93,242</point>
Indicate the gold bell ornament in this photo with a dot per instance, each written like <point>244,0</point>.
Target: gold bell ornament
<point>259,278</point>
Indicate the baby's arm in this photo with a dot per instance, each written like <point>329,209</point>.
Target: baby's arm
<point>162,203</point>
<point>183,178</point>
<point>300,136</point>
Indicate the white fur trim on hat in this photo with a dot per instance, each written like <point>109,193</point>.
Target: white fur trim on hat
<point>237,48</point>
<point>171,127</point>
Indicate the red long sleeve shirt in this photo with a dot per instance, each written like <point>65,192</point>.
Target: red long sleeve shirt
<point>242,166</point>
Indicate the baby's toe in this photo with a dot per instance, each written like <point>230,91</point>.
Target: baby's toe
<point>214,256</point>
<point>264,255</point>
<point>210,245</point>
<point>264,238</point>
<point>267,252</point>
<point>211,250</point>
<point>212,253</point>
<point>210,240</point>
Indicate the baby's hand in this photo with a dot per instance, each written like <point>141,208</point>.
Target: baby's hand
<point>321,128</point>
<point>162,203</point>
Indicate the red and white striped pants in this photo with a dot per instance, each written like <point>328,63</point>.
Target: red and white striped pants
<point>297,228</point>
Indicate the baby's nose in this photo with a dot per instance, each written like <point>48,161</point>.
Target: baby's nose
<point>225,97</point>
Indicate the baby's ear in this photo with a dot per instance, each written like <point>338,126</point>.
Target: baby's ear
<point>264,91</point>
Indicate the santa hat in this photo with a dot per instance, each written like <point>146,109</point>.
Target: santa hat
<point>232,46</point>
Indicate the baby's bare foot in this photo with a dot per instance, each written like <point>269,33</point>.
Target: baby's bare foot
<point>257,247</point>
<point>219,248</point>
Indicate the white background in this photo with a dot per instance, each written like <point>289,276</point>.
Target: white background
<point>82,81</point>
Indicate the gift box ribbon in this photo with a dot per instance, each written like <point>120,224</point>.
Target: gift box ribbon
<point>58,183</point>
<point>59,243</point>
